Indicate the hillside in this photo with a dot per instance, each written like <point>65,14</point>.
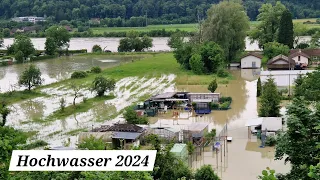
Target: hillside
<point>157,11</point>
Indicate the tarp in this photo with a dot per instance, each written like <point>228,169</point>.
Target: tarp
<point>254,122</point>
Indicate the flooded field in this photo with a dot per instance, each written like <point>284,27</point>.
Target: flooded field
<point>54,70</point>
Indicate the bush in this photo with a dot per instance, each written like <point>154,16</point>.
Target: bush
<point>225,105</point>
<point>96,69</point>
<point>214,106</point>
<point>132,117</point>
<point>78,75</point>
<point>96,48</point>
<point>222,73</point>
<point>271,141</point>
<point>224,99</point>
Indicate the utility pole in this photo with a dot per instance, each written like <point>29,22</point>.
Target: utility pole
<point>146,18</point>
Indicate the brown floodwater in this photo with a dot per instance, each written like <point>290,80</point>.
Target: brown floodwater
<point>57,69</point>
<point>243,157</point>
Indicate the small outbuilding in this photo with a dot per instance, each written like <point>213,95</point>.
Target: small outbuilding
<point>251,61</point>
<point>281,62</point>
<point>180,151</point>
<point>300,58</point>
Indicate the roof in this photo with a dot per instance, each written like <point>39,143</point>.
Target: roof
<point>204,93</point>
<point>125,128</point>
<point>125,135</point>
<point>253,54</point>
<point>202,100</point>
<point>177,148</point>
<point>269,123</point>
<point>164,95</point>
<point>62,148</point>
<point>279,58</point>
<point>309,52</point>
<point>254,122</point>
<point>197,126</point>
<point>299,53</point>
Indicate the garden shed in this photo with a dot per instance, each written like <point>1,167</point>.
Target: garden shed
<point>180,151</point>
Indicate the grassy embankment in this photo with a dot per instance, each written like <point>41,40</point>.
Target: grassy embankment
<point>17,96</point>
<point>182,27</point>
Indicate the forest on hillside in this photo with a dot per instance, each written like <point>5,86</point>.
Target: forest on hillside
<point>161,11</point>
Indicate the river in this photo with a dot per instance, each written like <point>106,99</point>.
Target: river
<point>159,44</point>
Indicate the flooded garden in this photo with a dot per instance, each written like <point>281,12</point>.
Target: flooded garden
<point>35,115</point>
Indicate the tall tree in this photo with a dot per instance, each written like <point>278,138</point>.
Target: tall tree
<point>227,25</point>
<point>267,29</point>
<point>273,49</point>
<point>269,100</point>
<point>259,87</point>
<point>50,46</point>
<point>286,35</point>
<point>60,36</point>
<point>23,43</point>
<point>31,77</point>
<point>307,88</point>
<point>297,145</point>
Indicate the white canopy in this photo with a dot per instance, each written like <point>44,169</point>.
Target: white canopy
<point>254,122</point>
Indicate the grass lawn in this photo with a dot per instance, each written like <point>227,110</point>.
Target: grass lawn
<point>253,24</point>
<point>16,96</point>
<point>172,27</point>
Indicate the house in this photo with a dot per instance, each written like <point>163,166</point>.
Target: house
<point>121,135</point>
<point>314,55</point>
<point>281,62</point>
<point>195,132</point>
<point>31,29</point>
<point>32,19</point>
<point>251,61</point>
<point>301,58</point>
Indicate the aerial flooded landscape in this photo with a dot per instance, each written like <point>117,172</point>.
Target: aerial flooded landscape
<point>221,90</point>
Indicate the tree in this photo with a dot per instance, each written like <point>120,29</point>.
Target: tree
<point>176,40</point>
<point>298,91</point>
<point>31,77</point>
<point>183,53</point>
<point>268,174</point>
<point>96,48</point>
<point>116,175</point>
<point>306,87</point>
<point>23,43</point>
<point>269,100</point>
<point>132,42</point>
<point>206,173</point>
<point>314,172</point>
<point>50,46</point>
<point>259,87</point>
<point>76,92</point>
<point>10,140</point>
<point>100,85</point>
<point>269,17</point>
<point>131,116</point>
<point>213,86</point>
<point>227,25</point>
<point>212,57</point>
<point>60,36</point>
<point>297,145</point>
<point>6,32</point>
<point>4,112</point>
<point>19,57</point>
<point>273,49</point>
<point>286,34</point>
<point>315,40</point>
<point>299,30</point>
<point>196,64</point>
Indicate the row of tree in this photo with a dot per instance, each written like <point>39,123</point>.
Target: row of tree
<point>165,10</point>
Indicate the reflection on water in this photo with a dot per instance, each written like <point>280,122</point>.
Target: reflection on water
<point>250,74</point>
<point>33,109</point>
<point>59,68</point>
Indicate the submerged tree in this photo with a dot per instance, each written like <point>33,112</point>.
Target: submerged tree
<point>31,77</point>
<point>227,25</point>
<point>132,42</point>
<point>96,48</point>
<point>101,85</point>
<point>270,100</point>
<point>60,36</point>
<point>50,46</point>
<point>23,43</point>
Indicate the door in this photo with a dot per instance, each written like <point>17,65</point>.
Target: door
<point>254,65</point>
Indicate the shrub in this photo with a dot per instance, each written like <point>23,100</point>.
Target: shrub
<point>222,73</point>
<point>224,99</point>
<point>225,105</point>
<point>214,106</point>
<point>62,104</point>
<point>271,141</point>
<point>96,48</point>
<point>132,117</point>
<point>213,86</point>
<point>96,69</point>
<point>78,75</point>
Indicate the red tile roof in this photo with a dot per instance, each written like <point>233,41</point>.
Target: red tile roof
<point>252,54</point>
<point>309,52</point>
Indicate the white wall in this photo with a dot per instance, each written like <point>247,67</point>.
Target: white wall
<point>282,78</point>
<point>303,60</point>
<point>246,62</point>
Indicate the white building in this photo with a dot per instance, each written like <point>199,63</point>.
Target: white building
<point>300,58</point>
<point>251,61</point>
<point>283,78</point>
<point>32,19</point>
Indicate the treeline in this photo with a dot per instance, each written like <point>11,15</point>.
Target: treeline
<point>157,11</point>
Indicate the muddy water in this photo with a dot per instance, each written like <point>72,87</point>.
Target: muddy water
<point>243,156</point>
<point>54,70</point>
